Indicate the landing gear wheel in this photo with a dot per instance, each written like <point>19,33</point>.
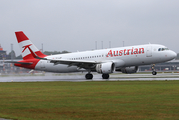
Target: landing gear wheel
<point>105,76</point>
<point>154,72</point>
<point>89,76</point>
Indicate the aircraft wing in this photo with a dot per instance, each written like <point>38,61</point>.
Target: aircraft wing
<point>79,63</point>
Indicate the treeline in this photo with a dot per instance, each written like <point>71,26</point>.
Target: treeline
<point>55,52</point>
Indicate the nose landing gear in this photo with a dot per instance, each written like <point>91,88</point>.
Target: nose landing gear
<point>153,70</point>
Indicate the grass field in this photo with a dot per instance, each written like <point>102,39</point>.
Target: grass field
<point>90,100</point>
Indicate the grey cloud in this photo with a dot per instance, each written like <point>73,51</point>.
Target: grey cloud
<point>76,25</point>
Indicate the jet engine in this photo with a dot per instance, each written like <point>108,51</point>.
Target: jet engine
<point>128,70</point>
<point>105,68</point>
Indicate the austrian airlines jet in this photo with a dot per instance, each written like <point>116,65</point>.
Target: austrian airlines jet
<point>104,61</point>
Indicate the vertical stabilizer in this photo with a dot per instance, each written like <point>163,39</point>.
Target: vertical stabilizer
<point>26,46</point>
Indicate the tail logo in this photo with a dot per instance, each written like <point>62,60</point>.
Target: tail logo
<point>25,47</point>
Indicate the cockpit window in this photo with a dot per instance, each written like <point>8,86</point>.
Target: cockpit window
<point>162,49</point>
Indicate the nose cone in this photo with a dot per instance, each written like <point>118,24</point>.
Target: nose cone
<point>173,55</point>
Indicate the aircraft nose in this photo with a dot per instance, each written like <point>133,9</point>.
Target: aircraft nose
<point>173,54</point>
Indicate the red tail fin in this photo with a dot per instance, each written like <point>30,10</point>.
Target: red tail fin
<point>26,45</point>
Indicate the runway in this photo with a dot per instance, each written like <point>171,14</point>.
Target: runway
<point>79,77</point>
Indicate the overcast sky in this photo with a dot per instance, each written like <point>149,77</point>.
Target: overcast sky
<point>77,24</point>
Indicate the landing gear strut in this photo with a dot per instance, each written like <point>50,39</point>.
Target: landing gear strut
<point>105,76</point>
<point>153,70</point>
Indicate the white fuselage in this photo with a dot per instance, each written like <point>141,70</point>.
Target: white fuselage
<point>121,57</point>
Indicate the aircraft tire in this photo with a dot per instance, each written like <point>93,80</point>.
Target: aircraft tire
<point>105,76</point>
<point>154,72</point>
<point>89,76</point>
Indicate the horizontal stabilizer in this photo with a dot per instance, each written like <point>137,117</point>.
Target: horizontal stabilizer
<point>25,63</point>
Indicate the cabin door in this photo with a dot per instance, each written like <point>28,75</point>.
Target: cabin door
<point>149,51</point>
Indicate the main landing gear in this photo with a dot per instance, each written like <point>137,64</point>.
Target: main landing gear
<point>90,76</point>
<point>105,76</point>
<point>153,70</point>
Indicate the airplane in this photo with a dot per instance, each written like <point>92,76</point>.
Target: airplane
<point>103,61</point>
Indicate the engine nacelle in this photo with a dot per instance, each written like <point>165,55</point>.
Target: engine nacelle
<point>129,70</point>
<point>105,68</point>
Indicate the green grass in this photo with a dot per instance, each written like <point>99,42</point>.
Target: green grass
<point>90,100</point>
